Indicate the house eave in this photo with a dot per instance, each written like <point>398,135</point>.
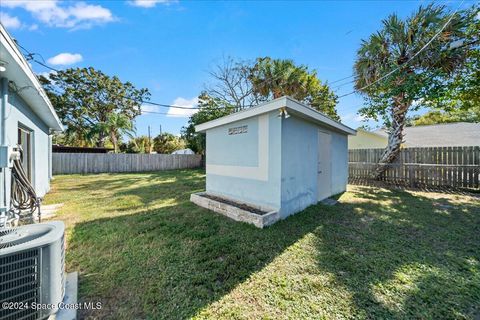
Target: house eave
<point>29,88</point>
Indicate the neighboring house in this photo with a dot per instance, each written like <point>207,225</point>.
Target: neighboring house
<point>58,148</point>
<point>367,140</point>
<point>455,134</point>
<point>281,155</point>
<point>27,118</point>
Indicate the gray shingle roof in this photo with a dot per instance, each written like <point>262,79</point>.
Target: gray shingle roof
<point>446,134</point>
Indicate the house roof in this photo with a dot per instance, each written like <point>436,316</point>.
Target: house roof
<point>293,107</point>
<point>376,133</point>
<point>446,134</point>
<point>19,71</point>
<point>58,148</point>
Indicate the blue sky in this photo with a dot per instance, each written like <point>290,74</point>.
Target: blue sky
<point>168,46</point>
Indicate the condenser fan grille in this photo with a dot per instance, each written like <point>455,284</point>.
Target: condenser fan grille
<point>19,283</point>
<point>16,236</point>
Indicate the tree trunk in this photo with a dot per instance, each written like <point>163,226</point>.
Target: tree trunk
<point>114,139</point>
<point>395,137</point>
<point>101,140</point>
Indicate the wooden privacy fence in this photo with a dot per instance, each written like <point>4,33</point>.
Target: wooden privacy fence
<point>443,167</point>
<point>64,163</point>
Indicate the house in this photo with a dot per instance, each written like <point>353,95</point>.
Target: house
<point>27,118</point>
<point>277,158</point>
<point>367,140</point>
<point>454,134</point>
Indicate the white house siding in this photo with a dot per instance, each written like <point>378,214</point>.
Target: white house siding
<point>19,113</point>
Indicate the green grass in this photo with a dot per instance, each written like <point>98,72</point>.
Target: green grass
<point>146,252</point>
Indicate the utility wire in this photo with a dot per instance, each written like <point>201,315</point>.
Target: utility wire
<point>128,98</point>
<point>30,56</point>
<point>411,58</point>
<point>351,76</point>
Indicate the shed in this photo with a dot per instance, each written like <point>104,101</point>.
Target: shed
<point>273,160</point>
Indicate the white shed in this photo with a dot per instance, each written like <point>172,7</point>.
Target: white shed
<point>277,158</point>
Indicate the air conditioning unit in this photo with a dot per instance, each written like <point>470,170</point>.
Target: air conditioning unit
<point>32,270</point>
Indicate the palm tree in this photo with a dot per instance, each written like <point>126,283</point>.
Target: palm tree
<point>279,77</point>
<point>415,55</point>
<point>274,78</point>
<point>114,127</point>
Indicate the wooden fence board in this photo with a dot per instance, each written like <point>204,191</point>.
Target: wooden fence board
<point>69,163</point>
<point>454,167</point>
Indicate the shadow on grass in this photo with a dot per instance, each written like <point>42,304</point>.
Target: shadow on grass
<point>404,256</point>
<point>170,262</point>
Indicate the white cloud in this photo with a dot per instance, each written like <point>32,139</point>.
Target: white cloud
<point>149,3</point>
<point>353,118</point>
<point>9,21</point>
<point>65,59</point>
<point>182,102</point>
<point>46,74</point>
<point>50,12</point>
<point>146,108</point>
<point>360,118</point>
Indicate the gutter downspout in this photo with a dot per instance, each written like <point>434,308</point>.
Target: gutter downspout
<point>3,142</point>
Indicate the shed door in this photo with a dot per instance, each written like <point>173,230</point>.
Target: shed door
<point>324,175</point>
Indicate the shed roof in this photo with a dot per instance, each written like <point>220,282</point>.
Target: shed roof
<point>293,107</point>
<point>445,135</point>
<point>20,72</point>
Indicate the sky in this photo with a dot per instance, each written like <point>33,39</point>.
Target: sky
<point>169,46</point>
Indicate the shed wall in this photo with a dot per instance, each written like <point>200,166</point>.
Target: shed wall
<point>339,162</point>
<point>246,166</point>
<point>300,162</point>
<point>299,165</point>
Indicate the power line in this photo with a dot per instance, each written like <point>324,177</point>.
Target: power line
<point>30,56</point>
<point>343,84</point>
<point>165,113</point>
<point>128,98</point>
<point>340,79</point>
<point>410,59</point>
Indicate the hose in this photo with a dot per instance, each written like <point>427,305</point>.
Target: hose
<point>23,198</point>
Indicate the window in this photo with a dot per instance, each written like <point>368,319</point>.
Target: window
<point>238,130</point>
<point>25,142</point>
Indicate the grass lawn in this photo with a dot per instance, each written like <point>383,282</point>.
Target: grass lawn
<point>146,252</point>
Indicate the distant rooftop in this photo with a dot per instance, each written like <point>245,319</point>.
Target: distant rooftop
<point>58,148</point>
<point>446,134</point>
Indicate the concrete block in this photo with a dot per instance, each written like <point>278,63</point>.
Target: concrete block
<point>236,213</point>
<point>71,292</point>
